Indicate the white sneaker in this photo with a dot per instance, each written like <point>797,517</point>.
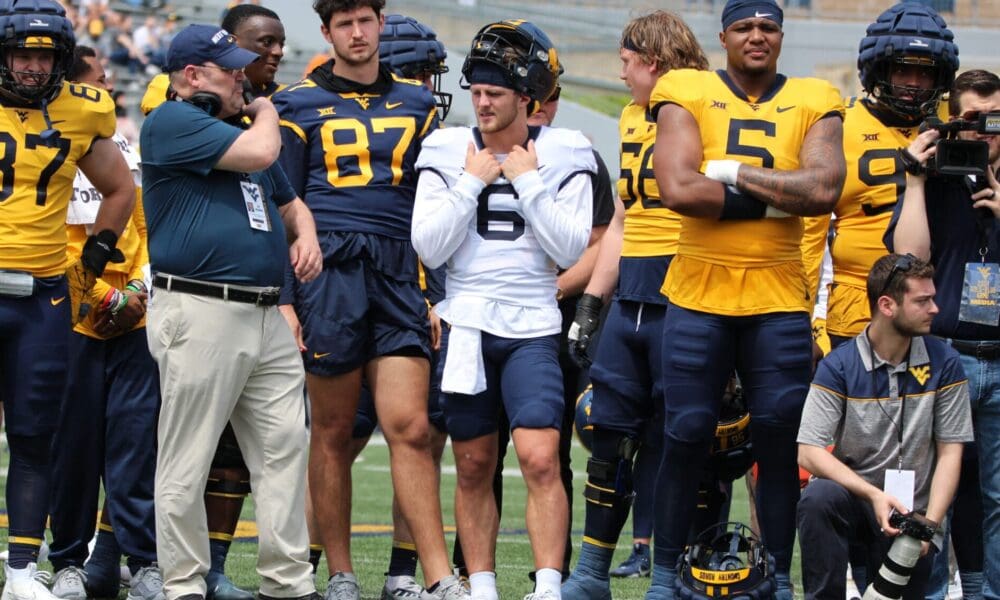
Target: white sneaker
<point>70,584</point>
<point>147,584</point>
<point>402,587</point>
<point>26,584</point>
<point>546,595</point>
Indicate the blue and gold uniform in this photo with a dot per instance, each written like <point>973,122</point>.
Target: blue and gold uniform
<point>738,298</point>
<point>875,183</point>
<point>744,267</point>
<point>349,151</point>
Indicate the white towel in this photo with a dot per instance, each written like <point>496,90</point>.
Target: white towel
<point>464,370</point>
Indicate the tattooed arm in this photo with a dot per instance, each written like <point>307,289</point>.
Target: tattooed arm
<point>814,188</point>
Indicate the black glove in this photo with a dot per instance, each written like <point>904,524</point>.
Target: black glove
<point>99,250</point>
<point>585,324</point>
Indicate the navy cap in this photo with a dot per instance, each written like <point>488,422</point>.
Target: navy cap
<point>199,44</point>
<point>737,10</point>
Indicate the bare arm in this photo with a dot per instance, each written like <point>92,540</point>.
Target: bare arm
<point>105,166</point>
<point>572,281</point>
<point>912,234</point>
<point>303,248</point>
<point>683,188</point>
<point>814,188</point>
<point>258,147</point>
<point>821,463</point>
<point>945,481</point>
<point>604,277</point>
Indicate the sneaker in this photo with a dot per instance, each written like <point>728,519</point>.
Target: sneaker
<point>147,584</point>
<point>69,583</point>
<point>449,588</point>
<point>546,595</point>
<point>636,565</point>
<point>221,587</point>
<point>342,586</point>
<point>29,587</point>
<point>404,587</point>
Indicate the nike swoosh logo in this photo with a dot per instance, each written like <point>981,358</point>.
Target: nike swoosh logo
<point>392,105</point>
<point>761,15</point>
<point>782,109</point>
<point>318,355</point>
<point>57,301</point>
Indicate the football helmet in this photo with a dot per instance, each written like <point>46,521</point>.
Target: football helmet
<point>581,421</point>
<point>727,560</point>
<point>732,449</point>
<point>412,49</point>
<point>523,52</point>
<point>908,33</point>
<point>34,24</point>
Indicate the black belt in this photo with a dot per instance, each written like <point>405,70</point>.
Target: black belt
<point>225,291</point>
<point>981,350</point>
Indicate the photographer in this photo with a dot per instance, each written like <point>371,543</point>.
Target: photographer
<point>947,221</point>
<point>895,405</point>
<point>217,209</point>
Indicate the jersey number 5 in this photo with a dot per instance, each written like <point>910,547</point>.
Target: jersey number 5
<point>31,142</point>
<point>735,148</point>
<point>344,154</point>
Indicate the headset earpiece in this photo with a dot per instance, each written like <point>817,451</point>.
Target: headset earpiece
<point>207,101</point>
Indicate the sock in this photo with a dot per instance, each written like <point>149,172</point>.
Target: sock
<point>107,553</point>
<point>663,584</point>
<point>403,559</point>
<point>484,585</point>
<point>27,496</point>
<point>595,561</point>
<point>315,553</point>
<point>548,580</point>
<point>219,550</point>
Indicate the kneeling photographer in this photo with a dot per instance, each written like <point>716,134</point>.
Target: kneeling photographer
<point>949,216</point>
<point>894,404</point>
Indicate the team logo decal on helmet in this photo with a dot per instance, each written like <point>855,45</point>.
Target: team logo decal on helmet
<point>524,54</point>
<point>412,49</point>
<point>908,33</point>
<point>34,24</point>
<point>732,450</point>
<point>727,560</point>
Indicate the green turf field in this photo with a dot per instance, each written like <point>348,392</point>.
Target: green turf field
<point>372,524</point>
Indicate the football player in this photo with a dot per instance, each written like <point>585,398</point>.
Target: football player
<point>107,424</point>
<point>351,132</point>
<point>503,229</point>
<point>412,50</point>
<point>49,129</point>
<point>632,263</point>
<point>749,152</point>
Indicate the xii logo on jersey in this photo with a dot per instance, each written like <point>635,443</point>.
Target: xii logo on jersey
<point>870,137</point>
<point>329,111</point>
<point>718,104</point>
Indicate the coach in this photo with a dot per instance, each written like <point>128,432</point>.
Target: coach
<point>217,209</point>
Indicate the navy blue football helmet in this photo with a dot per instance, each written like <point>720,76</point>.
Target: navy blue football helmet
<point>907,33</point>
<point>412,50</point>
<point>727,560</point>
<point>732,449</point>
<point>34,24</point>
<point>581,421</point>
<point>523,52</point>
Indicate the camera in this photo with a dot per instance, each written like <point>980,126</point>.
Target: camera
<point>904,553</point>
<point>955,157</point>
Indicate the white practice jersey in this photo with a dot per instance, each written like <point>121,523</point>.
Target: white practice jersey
<point>503,242</point>
<point>86,200</point>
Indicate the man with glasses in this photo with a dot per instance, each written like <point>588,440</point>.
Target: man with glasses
<point>952,222</point>
<point>894,403</point>
<point>217,208</point>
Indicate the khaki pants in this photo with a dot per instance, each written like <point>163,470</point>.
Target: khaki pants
<point>227,361</point>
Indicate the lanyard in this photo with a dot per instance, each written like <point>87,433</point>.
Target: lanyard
<point>901,379</point>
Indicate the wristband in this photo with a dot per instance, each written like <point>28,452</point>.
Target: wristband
<point>910,163</point>
<point>725,171</point>
<point>137,285</point>
<point>740,206</point>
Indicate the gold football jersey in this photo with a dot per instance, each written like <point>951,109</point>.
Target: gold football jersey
<point>37,171</point>
<point>875,182</point>
<point>651,229</point>
<point>744,267</point>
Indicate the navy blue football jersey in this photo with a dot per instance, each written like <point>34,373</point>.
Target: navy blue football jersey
<point>349,150</point>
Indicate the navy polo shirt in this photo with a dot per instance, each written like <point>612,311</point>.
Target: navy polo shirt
<point>955,241</point>
<point>196,216</point>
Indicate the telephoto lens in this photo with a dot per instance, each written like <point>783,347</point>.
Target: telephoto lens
<point>904,553</point>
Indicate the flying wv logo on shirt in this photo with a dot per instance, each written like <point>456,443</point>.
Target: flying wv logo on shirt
<point>921,374</point>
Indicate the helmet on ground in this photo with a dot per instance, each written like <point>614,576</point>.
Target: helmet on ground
<point>732,448</point>
<point>727,560</point>
<point>581,422</point>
